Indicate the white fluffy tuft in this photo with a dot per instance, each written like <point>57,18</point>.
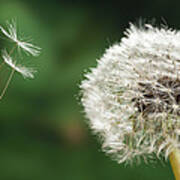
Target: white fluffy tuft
<point>144,56</point>
<point>24,71</point>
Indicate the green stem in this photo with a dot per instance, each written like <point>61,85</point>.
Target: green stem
<point>175,163</point>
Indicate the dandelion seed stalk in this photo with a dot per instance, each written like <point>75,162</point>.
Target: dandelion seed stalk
<point>7,84</point>
<point>175,163</point>
<point>10,76</point>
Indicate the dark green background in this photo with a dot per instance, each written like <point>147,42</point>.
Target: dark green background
<point>43,133</point>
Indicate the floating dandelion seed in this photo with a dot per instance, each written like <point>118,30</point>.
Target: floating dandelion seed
<point>132,97</point>
<point>29,48</point>
<point>11,33</point>
<point>26,72</point>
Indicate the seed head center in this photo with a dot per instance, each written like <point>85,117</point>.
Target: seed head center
<point>163,96</point>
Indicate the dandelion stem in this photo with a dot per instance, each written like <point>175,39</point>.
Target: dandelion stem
<point>7,83</point>
<point>175,163</point>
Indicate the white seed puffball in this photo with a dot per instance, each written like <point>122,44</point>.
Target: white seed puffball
<point>132,97</point>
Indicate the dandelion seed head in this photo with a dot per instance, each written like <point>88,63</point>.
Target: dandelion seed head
<point>132,97</point>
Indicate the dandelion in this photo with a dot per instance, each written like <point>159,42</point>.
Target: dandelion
<point>11,33</point>
<point>26,72</point>
<point>7,58</point>
<point>132,97</point>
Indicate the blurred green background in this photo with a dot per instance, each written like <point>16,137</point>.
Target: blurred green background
<point>43,132</point>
